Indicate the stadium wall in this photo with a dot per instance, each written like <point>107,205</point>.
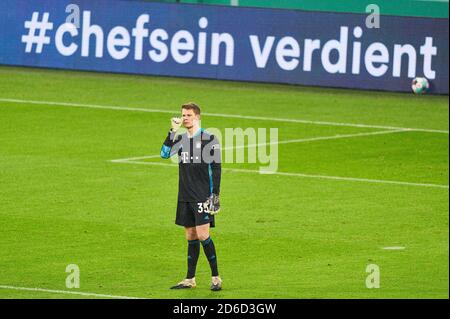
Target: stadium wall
<point>231,43</point>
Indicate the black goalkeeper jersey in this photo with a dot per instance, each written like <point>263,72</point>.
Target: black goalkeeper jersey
<point>199,161</point>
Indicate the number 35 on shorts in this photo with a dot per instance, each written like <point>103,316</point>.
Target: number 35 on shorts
<point>201,209</point>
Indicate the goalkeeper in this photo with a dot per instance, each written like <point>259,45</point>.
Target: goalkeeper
<point>198,189</point>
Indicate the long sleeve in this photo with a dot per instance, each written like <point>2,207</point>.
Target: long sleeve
<point>216,169</point>
<point>168,149</point>
<point>216,166</point>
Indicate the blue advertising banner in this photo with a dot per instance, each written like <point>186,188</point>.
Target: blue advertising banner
<point>231,43</point>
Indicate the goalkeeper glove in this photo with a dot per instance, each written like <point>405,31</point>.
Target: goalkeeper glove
<point>212,204</point>
<point>175,124</point>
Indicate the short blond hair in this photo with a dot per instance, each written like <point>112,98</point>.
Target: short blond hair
<point>191,106</point>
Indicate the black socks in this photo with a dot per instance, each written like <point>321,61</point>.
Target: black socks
<point>193,252</point>
<point>210,252</point>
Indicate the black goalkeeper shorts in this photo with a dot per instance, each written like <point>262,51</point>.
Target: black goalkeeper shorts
<point>192,214</point>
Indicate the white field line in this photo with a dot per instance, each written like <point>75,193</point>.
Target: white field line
<point>336,178</point>
<point>320,138</point>
<point>275,119</point>
<point>300,140</point>
<point>67,292</point>
<point>118,160</point>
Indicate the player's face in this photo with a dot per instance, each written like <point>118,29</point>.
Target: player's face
<point>189,118</point>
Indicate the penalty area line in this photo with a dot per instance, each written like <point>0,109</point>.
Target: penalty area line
<point>336,178</point>
<point>87,294</point>
<point>301,140</point>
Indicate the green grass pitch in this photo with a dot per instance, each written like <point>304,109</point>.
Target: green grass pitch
<point>278,236</point>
